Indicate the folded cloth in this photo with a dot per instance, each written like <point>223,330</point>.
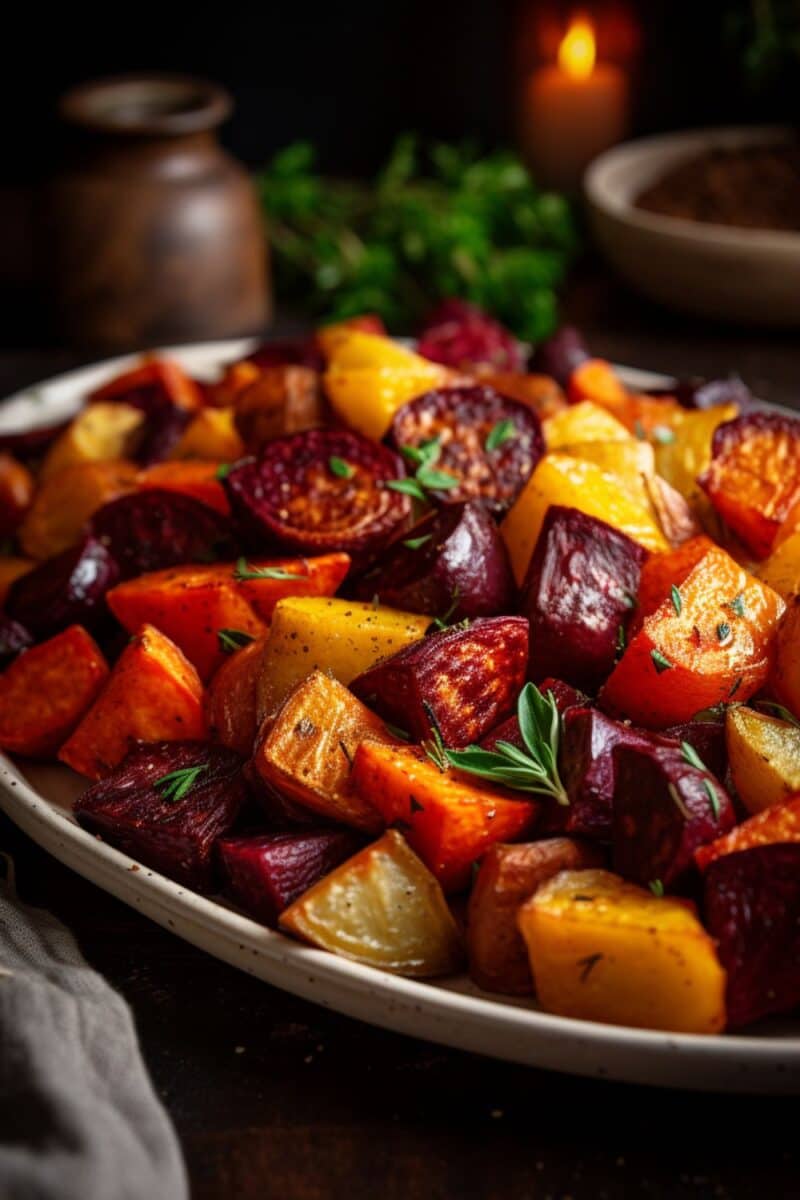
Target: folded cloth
<point>79,1119</point>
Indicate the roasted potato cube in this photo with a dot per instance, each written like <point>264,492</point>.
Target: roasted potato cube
<point>99,433</point>
<point>785,674</point>
<point>764,755</point>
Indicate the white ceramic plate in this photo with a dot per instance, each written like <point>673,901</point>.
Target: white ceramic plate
<point>453,1012</point>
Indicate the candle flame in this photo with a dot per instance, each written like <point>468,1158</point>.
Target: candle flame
<point>577,52</point>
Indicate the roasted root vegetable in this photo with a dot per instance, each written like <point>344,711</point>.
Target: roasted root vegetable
<point>463,336</point>
<point>602,949</point>
<point>781,570</point>
<point>211,434</point>
<point>143,386</point>
<point>460,682</point>
<point>310,633</point>
<point>683,453</point>
<point>785,674</point>
<point>69,589</point>
<point>45,692</point>
<point>166,805</point>
<point>707,643</point>
<point>199,480</point>
<point>12,568</point>
<point>753,479</point>
<point>453,562</point>
<point>574,483</point>
<point>319,491</point>
<point>559,354</point>
<point>578,595</point>
<point>306,753</point>
<point>382,908</point>
<point>99,433</point>
<point>661,572</point>
<point>752,909</point>
<point>280,401</point>
<point>65,502</point>
<point>266,872</point>
<point>764,755</point>
<point>469,443</point>
<point>16,493</point>
<point>230,699</point>
<point>581,423</point>
<point>150,530</point>
<point>509,875</point>
<point>199,608</point>
<point>168,706</point>
<point>781,823</point>
<point>449,818</point>
<point>539,392</point>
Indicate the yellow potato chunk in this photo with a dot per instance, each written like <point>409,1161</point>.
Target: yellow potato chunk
<point>785,676</point>
<point>100,433</point>
<point>764,755</point>
<point>782,569</point>
<point>561,479</point>
<point>384,908</point>
<point>602,949</point>
<point>683,456</point>
<point>211,435</point>
<point>583,422</point>
<point>344,637</point>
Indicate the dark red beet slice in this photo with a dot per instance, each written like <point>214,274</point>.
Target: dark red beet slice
<point>164,422</point>
<point>588,771</point>
<point>752,909</point>
<point>708,739</point>
<point>468,679</point>
<point>463,420</point>
<point>145,531</point>
<point>461,335</point>
<point>453,561</point>
<point>175,836</point>
<point>290,352</point>
<point>509,731</point>
<point>267,872</point>
<point>69,589</point>
<point>559,355</point>
<point>14,638</point>
<point>30,443</point>
<point>578,595</point>
<point>318,491</point>
<point>664,808</point>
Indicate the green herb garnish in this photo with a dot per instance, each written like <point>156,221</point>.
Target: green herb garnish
<point>223,471</point>
<point>660,662</point>
<point>177,784</point>
<point>737,605</point>
<point>532,769</point>
<point>502,432</point>
<point>656,887</point>
<point>621,642</point>
<point>415,543</point>
<point>231,640</point>
<point>434,746</point>
<point>401,734</point>
<point>443,622</point>
<point>426,478</point>
<point>691,756</point>
<point>243,572</point>
<point>677,603</point>
<point>723,631</point>
<point>341,468</point>
<point>663,434</point>
<point>409,487</point>
<point>678,801</point>
<point>781,712</point>
<point>713,798</point>
<point>638,429</point>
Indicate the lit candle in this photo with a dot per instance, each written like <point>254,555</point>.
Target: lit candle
<point>572,110</point>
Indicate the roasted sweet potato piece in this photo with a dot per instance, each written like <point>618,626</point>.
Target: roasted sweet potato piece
<point>11,569</point>
<point>752,909</point>
<point>211,434</point>
<point>153,694</point>
<point>16,493</point>
<point>196,479</point>
<point>231,699</point>
<point>764,755</point>
<point>343,637</point>
<point>509,875</point>
<point>463,680</point>
<point>285,577</point>
<point>660,572</point>
<point>753,479</point>
<point>781,570</point>
<point>453,561</point>
<point>539,392</point>
<point>64,503</point>
<point>602,949</point>
<point>781,823</point>
<point>574,483</point>
<point>665,806</point>
<point>307,751</point>
<point>167,804</point>
<point>99,433</point>
<point>383,908</point>
<point>282,400</point>
<point>46,691</point>
<point>596,380</point>
<point>267,872</point>
<point>579,592</point>
<point>193,606</point>
<point>69,589</point>
<point>707,643</point>
<point>448,817</point>
<point>224,392</point>
<point>785,674</point>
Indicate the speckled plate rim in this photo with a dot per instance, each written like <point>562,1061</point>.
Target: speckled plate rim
<point>451,1012</point>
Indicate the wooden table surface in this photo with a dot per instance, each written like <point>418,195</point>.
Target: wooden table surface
<point>275,1097</point>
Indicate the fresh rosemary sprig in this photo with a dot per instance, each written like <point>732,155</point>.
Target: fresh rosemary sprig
<point>177,784</point>
<point>244,572</point>
<point>532,769</point>
<point>434,746</point>
<point>231,640</point>
<point>691,757</point>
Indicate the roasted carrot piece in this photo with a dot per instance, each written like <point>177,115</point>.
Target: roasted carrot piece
<point>539,392</point>
<point>781,823</point>
<point>235,378</point>
<point>154,374</point>
<point>706,643</point>
<point>153,694</point>
<point>191,605</point>
<point>448,819</point>
<point>16,493</point>
<point>11,569</point>
<point>46,691</point>
<point>318,576</point>
<point>231,700</point>
<point>661,571</point>
<point>193,478</point>
<point>65,501</point>
<point>596,380</point>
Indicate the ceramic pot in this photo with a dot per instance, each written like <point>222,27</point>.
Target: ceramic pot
<point>154,233</point>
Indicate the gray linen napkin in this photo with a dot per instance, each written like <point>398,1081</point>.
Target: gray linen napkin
<point>79,1119</point>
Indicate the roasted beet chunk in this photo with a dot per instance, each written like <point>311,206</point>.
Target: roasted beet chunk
<point>150,530</point>
<point>710,393</point>
<point>665,806</point>
<point>266,873</point>
<point>752,908</point>
<point>707,737</point>
<point>453,561</point>
<point>166,804</point>
<point>319,490</point>
<point>578,595</point>
<point>461,335</point>
<point>14,638</point>
<point>485,443</point>
<point>291,352</point>
<point>587,769</point>
<point>69,589</point>
<point>464,680</point>
<point>560,354</point>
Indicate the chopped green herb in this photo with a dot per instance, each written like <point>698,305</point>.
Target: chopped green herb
<point>243,572</point>
<point>630,599</point>
<point>656,887</point>
<point>502,432</point>
<point>415,543</point>
<point>434,746</point>
<point>779,710</point>
<point>223,471</point>
<point>440,481</point>
<point>341,468</point>
<point>231,640</point>
<point>723,631</point>
<point>677,603</point>
<point>713,798</point>
<point>737,605</point>
<point>177,784</point>
<point>679,804</point>
<point>443,621</point>
<point>346,753</point>
<point>691,756</point>
<point>737,683</point>
<point>409,487</point>
<point>587,964</point>
<point>660,662</point>
<point>395,730</point>
<point>663,435</point>
<point>622,640</point>
<point>638,429</point>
